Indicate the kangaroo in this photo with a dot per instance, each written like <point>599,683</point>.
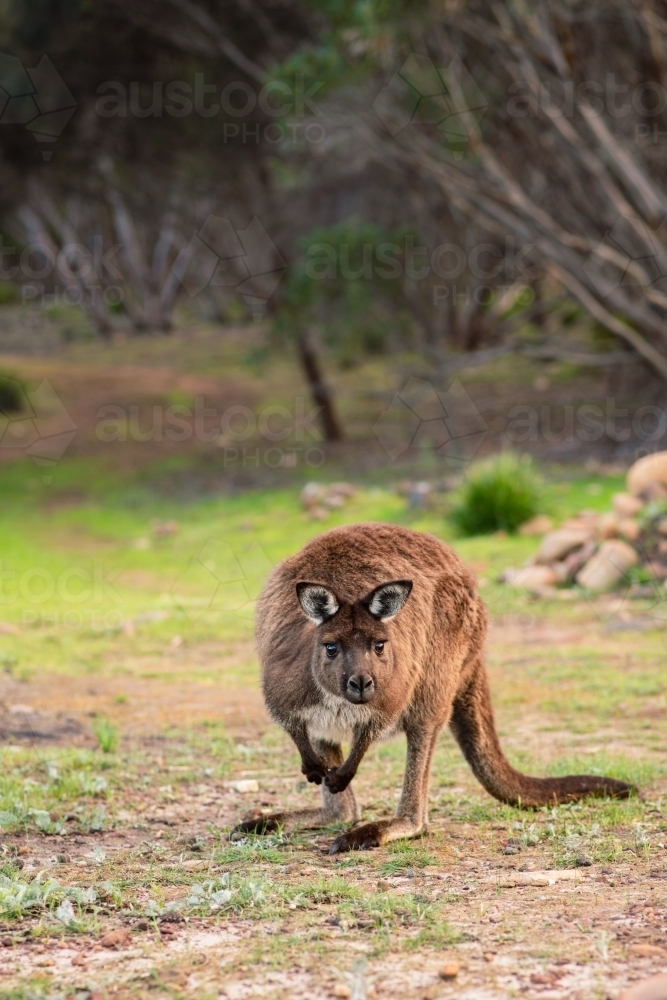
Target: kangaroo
<point>372,629</point>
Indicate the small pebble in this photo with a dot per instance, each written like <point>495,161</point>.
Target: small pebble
<point>489,956</point>
<point>449,970</point>
<point>583,861</point>
<point>243,786</point>
<point>341,990</point>
<point>116,939</point>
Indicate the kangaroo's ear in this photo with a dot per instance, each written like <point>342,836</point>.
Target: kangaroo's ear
<point>387,600</point>
<point>317,602</point>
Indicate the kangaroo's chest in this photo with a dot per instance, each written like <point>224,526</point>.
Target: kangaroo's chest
<point>334,720</point>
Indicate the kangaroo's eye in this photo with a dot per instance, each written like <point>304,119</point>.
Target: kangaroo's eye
<point>379,646</point>
<point>331,649</point>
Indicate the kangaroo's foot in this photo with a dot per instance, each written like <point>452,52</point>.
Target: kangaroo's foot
<point>370,835</point>
<point>288,821</point>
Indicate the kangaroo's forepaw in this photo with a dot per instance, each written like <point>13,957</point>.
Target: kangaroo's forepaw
<point>314,770</point>
<point>337,779</point>
<point>359,838</point>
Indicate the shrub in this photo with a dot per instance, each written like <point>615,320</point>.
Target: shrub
<point>497,494</point>
<point>11,394</point>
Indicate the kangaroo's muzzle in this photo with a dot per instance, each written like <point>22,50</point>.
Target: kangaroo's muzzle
<point>360,689</point>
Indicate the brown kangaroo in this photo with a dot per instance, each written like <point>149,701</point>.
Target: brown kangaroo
<point>369,630</point>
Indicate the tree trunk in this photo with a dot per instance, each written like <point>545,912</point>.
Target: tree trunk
<point>320,390</point>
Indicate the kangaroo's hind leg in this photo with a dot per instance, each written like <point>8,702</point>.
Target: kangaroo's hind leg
<point>411,815</point>
<point>340,808</point>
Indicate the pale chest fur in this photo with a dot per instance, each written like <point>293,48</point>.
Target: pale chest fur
<point>335,719</point>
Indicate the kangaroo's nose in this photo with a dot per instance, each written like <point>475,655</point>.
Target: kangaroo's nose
<point>360,686</point>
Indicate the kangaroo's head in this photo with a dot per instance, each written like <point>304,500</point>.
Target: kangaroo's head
<point>354,654</point>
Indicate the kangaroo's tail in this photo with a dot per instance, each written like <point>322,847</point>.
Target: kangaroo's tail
<point>473,725</point>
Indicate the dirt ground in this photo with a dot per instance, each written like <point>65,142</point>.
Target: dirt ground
<point>562,903</point>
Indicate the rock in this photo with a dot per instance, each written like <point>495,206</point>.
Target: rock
<point>647,478</point>
<point>629,529</point>
<point>79,959</point>
<point>449,970</point>
<point>419,494</point>
<point>243,786</point>
<point>489,956</point>
<point>166,529</point>
<point>312,495</point>
<point>584,519</point>
<point>511,879</point>
<point>117,938</point>
<point>648,951</point>
<point>607,567</point>
<point>346,490</point>
<point>583,861</point>
<point>557,544</point>
<point>317,497</point>
<point>625,505</point>
<point>607,526</point>
<point>650,989</point>
<point>531,577</point>
<point>576,560</point>
<point>333,501</point>
<point>560,569</point>
<point>510,850</point>
<point>538,525</point>
<point>341,990</point>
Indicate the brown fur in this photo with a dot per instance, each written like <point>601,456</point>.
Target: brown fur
<point>429,673</point>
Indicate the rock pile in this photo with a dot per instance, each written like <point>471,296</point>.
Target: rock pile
<point>319,499</point>
<point>596,551</point>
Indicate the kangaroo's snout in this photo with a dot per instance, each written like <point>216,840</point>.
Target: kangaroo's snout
<point>360,688</point>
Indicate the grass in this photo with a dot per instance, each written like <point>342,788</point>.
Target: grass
<point>134,833</point>
<point>106,733</point>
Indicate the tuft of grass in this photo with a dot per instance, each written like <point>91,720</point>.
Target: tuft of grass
<point>498,494</point>
<point>106,734</point>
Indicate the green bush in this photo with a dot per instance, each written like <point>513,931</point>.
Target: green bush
<point>498,494</point>
<point>11,394</point>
